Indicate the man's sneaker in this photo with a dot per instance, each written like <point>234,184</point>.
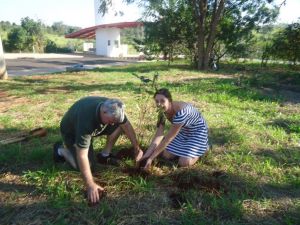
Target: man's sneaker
<point>56,157</point>
<point>108,160</point>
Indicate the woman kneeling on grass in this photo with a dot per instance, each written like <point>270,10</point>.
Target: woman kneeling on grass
<point>187,137</point>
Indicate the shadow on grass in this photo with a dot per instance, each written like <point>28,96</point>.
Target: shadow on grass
<point>16,188</point>
<point>286,157</point>
<point>31,153</point>
<point>224,136</point>
<point>289,125</point>
<point>144,68</point>
<point>282,216</point>
<point>218,89</point>
<point>221,90</point>
<point>221,195</point>
<point>37,87</point>
<point>41,211</point>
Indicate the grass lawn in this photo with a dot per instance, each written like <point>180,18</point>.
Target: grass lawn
<point>251,175</point>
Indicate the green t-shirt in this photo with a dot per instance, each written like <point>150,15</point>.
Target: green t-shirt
<point>82,121</point>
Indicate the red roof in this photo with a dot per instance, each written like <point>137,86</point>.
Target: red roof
<point>89,33</point>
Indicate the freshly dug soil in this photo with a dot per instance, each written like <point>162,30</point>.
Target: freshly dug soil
<point>142,163</point>
<point>134,171</point>
<point>125,153</point>
<point>177,200</point>
<point>210,183</point>
<point>137,170</point>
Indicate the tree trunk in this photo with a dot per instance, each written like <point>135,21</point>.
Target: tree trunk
<point>205,45</point>
<point>3,72</point>
<point>217,12</point>
<point>200,7</point>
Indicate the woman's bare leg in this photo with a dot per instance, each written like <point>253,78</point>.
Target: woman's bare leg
<point>187,161</point>
<point>168,155</point>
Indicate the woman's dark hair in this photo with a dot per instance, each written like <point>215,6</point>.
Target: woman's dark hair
<point>165,92</point>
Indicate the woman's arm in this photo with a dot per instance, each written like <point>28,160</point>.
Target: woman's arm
<point>155,141</point>
<point>174,130</point>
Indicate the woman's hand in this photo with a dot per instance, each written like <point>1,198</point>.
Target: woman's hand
<point>148,164</point>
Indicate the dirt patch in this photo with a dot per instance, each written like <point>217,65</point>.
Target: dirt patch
<point>177,200</point>
<point>14,191</point>
<point>8,101</point>
<point>289,96</point>
<point>186,78</point>
<point>136,171</point>
<point>59,90</point>
<point>125,153</point>
<point>208,182</point>
<point>142,163</point>
<point>186,180</point>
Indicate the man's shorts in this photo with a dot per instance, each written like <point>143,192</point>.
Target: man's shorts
<point>69,142</point>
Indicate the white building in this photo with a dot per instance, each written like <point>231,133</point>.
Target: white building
<point>107,28</point>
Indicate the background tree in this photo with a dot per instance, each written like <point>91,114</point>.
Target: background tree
<point>61,29</point>
<point>35,34</point>
<point>165,32</point>
<point>17,40</point>
<point>236,17</point>
<point>51,47</point>
<point>286,44</point>
<point>208,16</point>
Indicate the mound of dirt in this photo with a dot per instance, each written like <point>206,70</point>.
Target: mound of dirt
<point>177,200</point>
<point>209,182</point>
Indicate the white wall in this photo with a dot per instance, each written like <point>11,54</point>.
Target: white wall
<point>130,13</point>
<point>87,46</point>
<point>102,37</point>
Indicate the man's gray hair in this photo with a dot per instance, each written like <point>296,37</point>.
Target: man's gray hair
<point>114,108</point>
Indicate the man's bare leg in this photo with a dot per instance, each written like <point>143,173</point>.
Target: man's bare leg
<point>110,141</point>
<point>66,153</point>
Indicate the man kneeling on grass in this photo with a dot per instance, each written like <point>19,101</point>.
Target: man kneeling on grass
<point>87,118</point>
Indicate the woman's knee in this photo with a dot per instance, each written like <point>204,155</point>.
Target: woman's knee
<point>167,155</point>
<point>186,162</point>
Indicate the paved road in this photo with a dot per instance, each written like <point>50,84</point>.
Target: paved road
<point>42,64</point>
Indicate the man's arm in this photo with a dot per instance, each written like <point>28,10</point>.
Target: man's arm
<point>130,133</point>
<point>84,166</point>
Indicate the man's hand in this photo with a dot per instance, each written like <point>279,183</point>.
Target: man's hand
<point>93,193</point>
<point>146,155</point>
<point>138,154</point>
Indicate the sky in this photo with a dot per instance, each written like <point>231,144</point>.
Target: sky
<point>80,13</point>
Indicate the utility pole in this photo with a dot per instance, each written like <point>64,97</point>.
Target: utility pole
<point>3,71</point>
